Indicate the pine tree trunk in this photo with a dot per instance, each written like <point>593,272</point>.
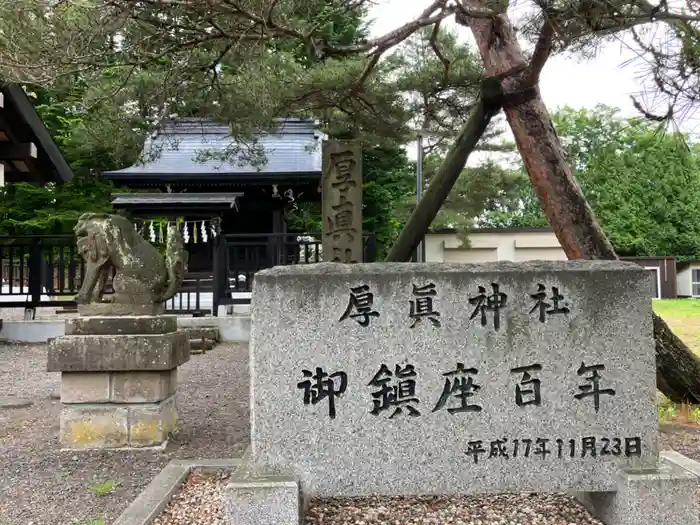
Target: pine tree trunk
<point>561,198</point>
<point>441,185</point>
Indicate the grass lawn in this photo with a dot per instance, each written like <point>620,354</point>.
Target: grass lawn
<point>683,316</point>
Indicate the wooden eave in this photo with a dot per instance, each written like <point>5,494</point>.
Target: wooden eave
<point>135,180</point>
<point>27,151</point>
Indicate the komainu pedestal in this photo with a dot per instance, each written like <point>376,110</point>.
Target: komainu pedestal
<point>119,360</point>
<point>118,379</point>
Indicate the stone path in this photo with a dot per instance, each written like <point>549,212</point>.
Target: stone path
<point>40,484</point>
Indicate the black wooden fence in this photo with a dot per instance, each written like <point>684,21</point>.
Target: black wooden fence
<point>47,271</point>
<point>39,271</point>
<point>237,257</point>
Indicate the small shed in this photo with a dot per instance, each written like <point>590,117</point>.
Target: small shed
<point>688,278</point>
<point>665,269</point>
<point>493,244</point>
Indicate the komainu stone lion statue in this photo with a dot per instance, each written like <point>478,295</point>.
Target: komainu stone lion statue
<point>143,275</point>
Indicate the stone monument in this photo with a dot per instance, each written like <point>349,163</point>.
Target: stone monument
<point>341,204</point>
<point>119,358</point>
<point>443,379</point>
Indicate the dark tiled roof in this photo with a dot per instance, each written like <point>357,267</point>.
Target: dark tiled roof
<point>295,147</point>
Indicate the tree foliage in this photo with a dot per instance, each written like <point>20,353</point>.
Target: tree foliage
<point>29,209</point>
<point>643,183</point>
<point>92,137</point>
<point>129,65</point>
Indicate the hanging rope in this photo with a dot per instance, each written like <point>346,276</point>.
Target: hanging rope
<point>185,234</point>
<point>204,232</point>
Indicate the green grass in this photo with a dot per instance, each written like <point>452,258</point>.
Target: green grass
<point>677,307</point>
<point>683,316</point>
<point>103,488</point>
<point>96,522</point>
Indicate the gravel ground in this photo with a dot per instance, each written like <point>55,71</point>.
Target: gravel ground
<point>681,439</point>
<point>502,509</point>
<point>41,485</point>
<point>200,502</point>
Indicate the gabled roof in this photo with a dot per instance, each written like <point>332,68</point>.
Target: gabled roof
<point>28,151</point>
<point>293,149</point>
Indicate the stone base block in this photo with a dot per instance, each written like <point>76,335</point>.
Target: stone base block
<point>114,426</point>
<point>110,353</point>
<point>117,387</point>
<point>123,325</point>
<point>665,496</point>
<point>85,387</point>
<point>117,309</point>
<point>142,387</point>
<point>90,427</point>
<point>263,501</point>
<point>150,424</point>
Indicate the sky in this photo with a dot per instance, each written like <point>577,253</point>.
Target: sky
<point>609,79</point>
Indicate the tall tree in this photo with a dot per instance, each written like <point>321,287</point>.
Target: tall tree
<point>220,51</point>
<point>643,183</point>
<point>30,209</point>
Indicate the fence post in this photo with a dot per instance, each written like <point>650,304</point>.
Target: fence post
<point>370,254</point>
<point>219,272</point>
<point>35,266</point>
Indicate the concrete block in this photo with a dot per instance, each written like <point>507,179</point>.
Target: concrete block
<point>230,328</point>
<point>262,501</point>
<point>235,328</point>
<point>117,309</point>
<point>533,376</point>
<point>94,427</point>
<point>207,332</point>
<point>124,325</point>
<point>665,496</point>
<point>151,424</point>
<point>97,353</point>
<point>85,387</point>
<point>38,331</point>
<point>142,387</point>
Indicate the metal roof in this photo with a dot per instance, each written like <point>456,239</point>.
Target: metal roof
<point>294,147</point>
<point>175,198</point>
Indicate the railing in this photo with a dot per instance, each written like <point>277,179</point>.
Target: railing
<point>196,295</point>
<point>39,271</point>
<point>47,271</point>
<point>238,257</point>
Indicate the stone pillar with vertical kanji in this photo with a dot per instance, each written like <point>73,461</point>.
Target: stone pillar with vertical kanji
<point>342,201</point>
